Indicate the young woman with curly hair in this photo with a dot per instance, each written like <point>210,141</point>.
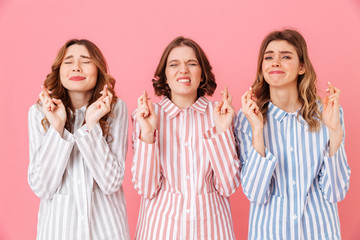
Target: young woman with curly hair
<point>78,143</point>
<point>185,164</point>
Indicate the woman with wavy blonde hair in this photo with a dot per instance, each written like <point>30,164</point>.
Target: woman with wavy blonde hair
<point>294,166</point>
<point>78,143</point>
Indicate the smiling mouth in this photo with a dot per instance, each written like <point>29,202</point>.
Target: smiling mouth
<point>77,78</point>
<point>276,72</point>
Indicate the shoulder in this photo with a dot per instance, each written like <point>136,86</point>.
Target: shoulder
<point>119,106</point>
<point>35,111</point>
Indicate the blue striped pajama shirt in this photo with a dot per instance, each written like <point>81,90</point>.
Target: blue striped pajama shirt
<point>295,188</point>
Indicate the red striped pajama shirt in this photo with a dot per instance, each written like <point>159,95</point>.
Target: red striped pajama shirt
<point>186,176</point>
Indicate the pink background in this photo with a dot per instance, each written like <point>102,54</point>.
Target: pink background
<point>132,36</point>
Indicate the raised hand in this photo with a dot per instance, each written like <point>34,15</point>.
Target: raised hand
<point>224,112</point>
<point>252,111</point>
<point>99,108</point>
<point>146,117</point>
<point>53,109</point>
<point>331,118</point>
<point>331,108</point>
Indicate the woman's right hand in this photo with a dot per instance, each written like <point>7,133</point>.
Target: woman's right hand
<point>252,112</point>
<point>146,117</point>
<point>54,110</point>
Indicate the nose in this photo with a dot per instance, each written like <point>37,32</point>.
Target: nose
<point>76,67</point>
<point>276,62</point>
<point>184,68</point>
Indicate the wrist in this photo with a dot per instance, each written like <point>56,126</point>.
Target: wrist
<point>147,137</point>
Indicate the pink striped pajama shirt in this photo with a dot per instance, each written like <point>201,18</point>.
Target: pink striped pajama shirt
<point>186,176</point>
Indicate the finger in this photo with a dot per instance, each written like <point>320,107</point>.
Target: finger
<point>243,99</point>
<point>150,107</point>
<point>218,107</point>
<point>58,102</point>
<point>331,88</point>
<point>229,98</point>
<point>45,92</point>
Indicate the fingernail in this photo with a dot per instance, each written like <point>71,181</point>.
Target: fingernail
<point>42,86</point>
<point>106,86</point>
<point>329,83</point>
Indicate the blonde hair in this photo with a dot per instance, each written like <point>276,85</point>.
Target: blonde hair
<point>53,83</point>
<point>306,82</point>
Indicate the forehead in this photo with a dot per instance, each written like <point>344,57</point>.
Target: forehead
<point>76,50</point>
<point>280,46</point>
<point>182,52</point>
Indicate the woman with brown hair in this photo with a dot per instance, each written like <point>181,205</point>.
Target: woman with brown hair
<point>78,143</point>
<point>185,164</point>
<point>294,166</point>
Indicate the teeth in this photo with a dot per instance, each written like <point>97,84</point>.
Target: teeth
<point>184,80</point>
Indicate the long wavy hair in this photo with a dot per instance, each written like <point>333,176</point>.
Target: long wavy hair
<point>53,83</point>
<point>207,86</point>
<point>306,83</point>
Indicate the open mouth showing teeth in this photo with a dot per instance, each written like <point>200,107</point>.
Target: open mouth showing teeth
<point>184,80</point>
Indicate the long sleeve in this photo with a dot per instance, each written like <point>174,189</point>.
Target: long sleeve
<point>49,155</point>
<point>335,172</point>
<point>257,171</point>
<point>223,157</point>
<point>146,171</point>
<point>105,158</point>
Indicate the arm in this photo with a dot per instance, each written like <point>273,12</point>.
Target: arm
<point>335,172</point>
<point>49,155</point>
<point>105,158</point>
<point>221,149</point>
<point>146,170</point>
<point>256,170</point>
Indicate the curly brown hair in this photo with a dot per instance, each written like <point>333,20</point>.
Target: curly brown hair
<point>207,86</point>
<point>53,83</point>
<point>306,82</point>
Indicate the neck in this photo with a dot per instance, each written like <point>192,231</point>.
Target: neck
<point>285,99</point>
<point>79,99</point>
<point>183,102</point>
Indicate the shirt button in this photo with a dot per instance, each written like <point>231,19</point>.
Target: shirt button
<point>291,149</point>
<point>294,217</point>
<point>187,177</point>
<point>79,181</point>
<point>186,144</point>
<point>187,211</point>
<point>293,182</point>
<point>82,218</point>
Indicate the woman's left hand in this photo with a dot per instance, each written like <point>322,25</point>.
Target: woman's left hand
<point>224,112</point>
<point>99,108</point>
<point>331,108</point>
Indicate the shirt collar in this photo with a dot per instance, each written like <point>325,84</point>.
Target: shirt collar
<point>172,110</point>
<point>280,114</point>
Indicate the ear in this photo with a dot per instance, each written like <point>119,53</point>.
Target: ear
<point>302,69</point>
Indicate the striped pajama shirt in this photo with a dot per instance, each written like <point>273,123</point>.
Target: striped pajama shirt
<point>186,176</point>
<point>78,177</point>
<point>294,189</point>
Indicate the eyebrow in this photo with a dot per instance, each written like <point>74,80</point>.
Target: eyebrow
<point>176,60</point>
<point>71,56</point>
<point>283,52</point>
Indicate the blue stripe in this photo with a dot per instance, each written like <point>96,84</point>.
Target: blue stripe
<point>309,165</point>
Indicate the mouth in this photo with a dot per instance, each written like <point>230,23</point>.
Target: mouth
<point>184,80</point>
<point>77,78</point>
<point>276,72</point>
